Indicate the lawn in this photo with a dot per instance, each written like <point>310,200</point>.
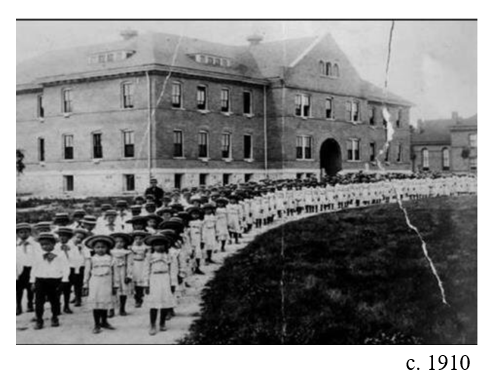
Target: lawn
<point>354,277</point>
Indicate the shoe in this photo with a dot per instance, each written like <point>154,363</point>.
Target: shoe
<point>96,330</point>
<point>111,313</point>
<point>198,271</point>
<point>123,313</point>
<point>55,323</point>
<point>162,329</point>
<point>108,326</point>
<point>169,316</point>
<point>153,331</point>
<point>78,304</point>
<point>67,310</point>
<point>38,325</point>
<point>30,308</point>
<point>73,301</point>
<point>138,304</point>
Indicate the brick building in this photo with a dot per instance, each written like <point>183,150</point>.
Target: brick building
<point>99,120</point>
<point>444,145</point>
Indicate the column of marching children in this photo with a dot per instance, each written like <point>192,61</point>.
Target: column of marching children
<point>150,253</point>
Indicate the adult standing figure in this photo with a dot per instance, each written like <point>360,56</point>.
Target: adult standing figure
<point>155,191</point>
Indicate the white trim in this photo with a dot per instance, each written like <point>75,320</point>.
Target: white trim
<point>307,50</point>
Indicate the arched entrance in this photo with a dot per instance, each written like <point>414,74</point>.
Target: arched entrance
<point>330,157</point>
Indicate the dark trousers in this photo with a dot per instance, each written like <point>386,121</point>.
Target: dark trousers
<point>23,283</point>
<point>47,288</point>
<point>76,280</point>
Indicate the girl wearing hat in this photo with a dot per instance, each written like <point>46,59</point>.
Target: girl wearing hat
<point>209,232</point>
<point>24,257</point>
<point>139,251</point>
<point>123,267</point>
<point>153,221</point>
<point>99,280</point>
<point>81,253</point>
<point>67,247</point>
<point>233,210</point>
<point>195,225</point>
<point>158,280</point>
<point>222,222</point>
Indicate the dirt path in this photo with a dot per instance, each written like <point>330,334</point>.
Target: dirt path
<point>132,329</point>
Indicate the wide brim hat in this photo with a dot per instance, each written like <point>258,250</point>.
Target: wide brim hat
<point>139,233</point>
<point>193,209</point>
<point>174,223</point>
<point>164,210</point>
<point>46,236</point>
<point>222,200</point>
<point>79,213</point>
<point>106,207</point>
<point>171,234</point>
<point>209,206</point>
<point>90,241</point>
<point>89,219</point>
<point>81,231</point>
<point>154,216</point>
<point>42,226</point>
<point>111,213</point>
<point>65,231</point>
<point>23,226</point>
<point>154,239</point>
<point>177,206</point>
<point>123,235</point>
<point>137,219</point>
<point>121,203</point>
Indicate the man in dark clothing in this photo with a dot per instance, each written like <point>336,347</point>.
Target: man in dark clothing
<point>157,192</point>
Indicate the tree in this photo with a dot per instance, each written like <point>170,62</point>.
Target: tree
<point>20,161</point>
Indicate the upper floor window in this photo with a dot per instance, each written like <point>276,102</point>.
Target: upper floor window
<point>473,140</point>
<point>128,95</point>
<point>225,100</point>
<point>328,69</point>
<point>40,108</point>
<point>329,108</point>
<point>178,143</point>
<point>304,147</point>
<point>302,105</point>
<point>97,146</point>
<point>68,147</point>
<point>212,60</point>
<point>373,114</point>
<point>203,144</point>
<point>352,111</point>
<point>226,145</point>
<point>445,159</point>
<point>399,153</point>
<point>110,57</point>
<point>176,95</point>
<point>352,146</point>
<point>41,149</point>
<point>68,183</point>
<point>201,97</point>
<point>247,103</point>
<point>373,151</point>
<point>128,144</point>
<point>67,101</point>
<point>321,67</point>
<point>398,121</point>
<point>335,70</point>
<point>425,159</point>
<point>384,121</point>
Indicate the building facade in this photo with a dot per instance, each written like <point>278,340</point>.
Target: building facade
<point>100,120</point>
<point>445,145</point>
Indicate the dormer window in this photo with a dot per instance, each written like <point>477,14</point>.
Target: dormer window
<point>212,60</point>
<point>110,56</point>
<point>329,69</point>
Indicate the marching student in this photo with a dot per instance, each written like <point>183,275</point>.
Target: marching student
<point>101,220</point>
<point>209,232</point>
<point>99,280</point>
<point>50,269</point>
<point>77,217</point>
<point>195,226</point>
<point>122,215</point>
<point>233,218</point>
<point>78,258</point>
<point>108,225</point>
<point>123,269</point>
<point>67,248</point>
<point>157,276</point>
<point>60,220</point>
<point>222,222</point>
<point>153,222</point>
<point>139,251</point>
<point>139,223</point>
<point>89,223</point>
<point>24,257</point>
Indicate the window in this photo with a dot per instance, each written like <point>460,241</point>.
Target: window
<point>68,147</point>
<point>348,111</point>
<point>128,144</point>
<point>473,140</point>
<point>387,153</point>
<point>176,95</point>
<point>473,163</point>
<point>328,69</point>
<point>425,159</point>
<point>226,145</point>
<point>225,100</point>
<point>128,95</point>
<point>299,176</point>
<point>248,177</point>
<point>328,108</point>
<point>67,101</point>
<point>129,182</point>
<point>97,146</point>
<point>203,179</point>
<point>226,179</point>
<point>247,103</point>
<point>336,70</point>
<point>321,67</point>
<point>373,113</point>
<point>178,180</point>
<point>68,183</point>
<point>178,143</point>
<point>445,159</point>
<point>302,105</point>
<point>398,122</point>
<point>203,145</point>
<point>373,151</point>
<point>201,98</point>
<point>41,149</point>
<point>247,147</point>
<point>352,146</point>
<point>40,109</point>
<point>304,147</point>
<point>355,111</point>
<point>399,153</point>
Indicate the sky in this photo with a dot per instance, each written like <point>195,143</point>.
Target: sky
<point>433,63</point>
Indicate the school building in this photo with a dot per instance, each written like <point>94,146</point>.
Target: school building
<point>446,145</point>
<point>102,119</point>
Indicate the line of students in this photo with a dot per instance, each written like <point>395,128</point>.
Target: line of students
<point>149,252</point>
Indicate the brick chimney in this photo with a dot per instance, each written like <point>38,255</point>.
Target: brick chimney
<point>128,34</point>
<point>255,39</point>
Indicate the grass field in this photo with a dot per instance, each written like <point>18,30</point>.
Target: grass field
<point>354,277</point>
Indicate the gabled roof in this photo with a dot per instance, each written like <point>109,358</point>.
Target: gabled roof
<point>435,131</point>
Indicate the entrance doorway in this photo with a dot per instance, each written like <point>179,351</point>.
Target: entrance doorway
<point>330,157</point>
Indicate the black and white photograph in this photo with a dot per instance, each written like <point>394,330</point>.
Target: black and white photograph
<point>247,182</point>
